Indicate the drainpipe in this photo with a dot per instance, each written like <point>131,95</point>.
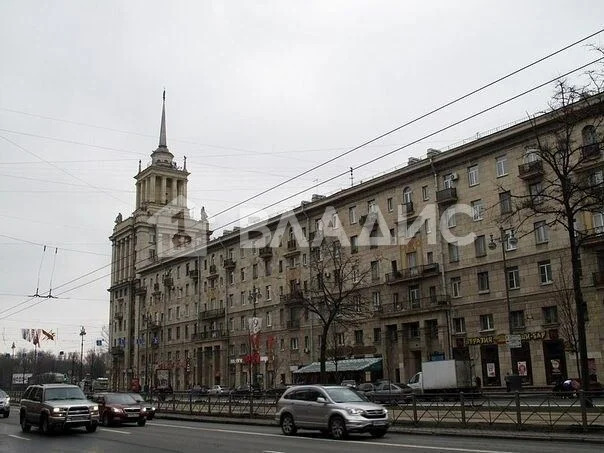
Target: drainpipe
<point>310,316</point>
<point>226,317</point>
<point>442,261</point>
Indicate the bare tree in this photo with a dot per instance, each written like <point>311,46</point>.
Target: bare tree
<point>336,292</point>
<point>566,139</point>
<point>567,315</point>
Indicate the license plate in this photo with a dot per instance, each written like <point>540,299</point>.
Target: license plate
<point>132,415</point>
<point>379,423</point>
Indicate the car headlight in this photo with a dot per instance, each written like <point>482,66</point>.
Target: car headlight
<point>144,409</point>
<point>56,410</point>
<point>116,410</point>
<point>354,411</point>
<point>94,408</point>
<point>153,408</point>
<point>7,399</point>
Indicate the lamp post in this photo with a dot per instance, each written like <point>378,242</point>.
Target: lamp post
<point>82,333</point>
<point>146,318</point>
<point>505,238</point>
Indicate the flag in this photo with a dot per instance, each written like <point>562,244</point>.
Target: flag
<point>49,335</point>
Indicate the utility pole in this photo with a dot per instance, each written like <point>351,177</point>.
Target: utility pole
<point>82,333</point>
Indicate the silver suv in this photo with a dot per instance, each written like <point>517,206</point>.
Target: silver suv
<point>335,410</point>
<point>53,406</point>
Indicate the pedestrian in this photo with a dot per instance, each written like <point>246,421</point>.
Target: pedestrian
<point>508,383</point>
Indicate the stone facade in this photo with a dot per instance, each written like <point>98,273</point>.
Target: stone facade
<point>183,317</point>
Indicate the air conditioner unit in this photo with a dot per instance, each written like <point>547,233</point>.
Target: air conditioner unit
<point>306,350</point>
<point>454,176</point>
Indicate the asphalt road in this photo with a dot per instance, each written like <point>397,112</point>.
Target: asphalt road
<point>179,436</point>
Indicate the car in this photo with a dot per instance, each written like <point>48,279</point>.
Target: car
<point>275,392</point>
<point>57,406</point>
<point>365,387</point>
<point>4,404</point>
<point>387,392</point>
<point>217,390</point>
<point>349,383</point>
<point>198,390</point>
<point>118,408</point>
<point>247,390</point>
<point>330,409</point>
<point>150,409</point>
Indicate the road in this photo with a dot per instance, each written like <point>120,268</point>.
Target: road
<point>180,436</point>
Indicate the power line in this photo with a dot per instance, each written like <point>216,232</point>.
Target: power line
<point>456,123</point>
<point>408,123</point>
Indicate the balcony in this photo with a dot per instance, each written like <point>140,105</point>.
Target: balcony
<point>153,324</point>
<point>208,335</point>
<point>530,170</point>
<point>293,324</point>
<point>593,237</point>
<point>229,264</point>
<point>445,196</point>
<point>118,315</point>
<point>117,351</point>
<point>156,288</point>
<point>589,152</point>
<point>139,289</point>
<point>414,306</point>
<point>294,298</point>
<point>598,278</point>
<point>407,212</point>
<point>213,271</point>
<point>169,282</point>
<point>265,252</point>
<point>193,273</point>
<point>412,273</point>
<point>211,314</point>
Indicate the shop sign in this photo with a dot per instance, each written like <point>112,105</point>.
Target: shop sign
<point>514,341</point>
<point>499,339</point>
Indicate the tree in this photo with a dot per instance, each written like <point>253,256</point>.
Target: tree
<point>567,138</point>
<point>567,315</point>
<point>336,295</point>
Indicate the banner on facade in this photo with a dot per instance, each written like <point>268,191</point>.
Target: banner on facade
<point>491,370</point>
<point>502,339</point>
<point>522,369</point>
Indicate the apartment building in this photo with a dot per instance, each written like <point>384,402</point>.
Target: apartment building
<point>183,300</point>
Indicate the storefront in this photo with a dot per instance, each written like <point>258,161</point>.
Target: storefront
<point>521,362</point>
<point>489,356</point>
<point>555,361</point>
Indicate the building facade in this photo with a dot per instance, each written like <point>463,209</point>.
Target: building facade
<point>182,300</point>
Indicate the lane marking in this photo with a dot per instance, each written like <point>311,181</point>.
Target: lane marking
<point>114,431</point>
<point>18,437</point>
<point>360,442</point>
<point>272,451</point>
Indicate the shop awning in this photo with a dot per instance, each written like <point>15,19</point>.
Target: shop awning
<point>366,364</point>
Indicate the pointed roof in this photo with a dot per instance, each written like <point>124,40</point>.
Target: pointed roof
<point>162,129</point>
<point>162,155</point>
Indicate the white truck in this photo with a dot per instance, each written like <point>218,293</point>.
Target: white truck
<point>443,376</point>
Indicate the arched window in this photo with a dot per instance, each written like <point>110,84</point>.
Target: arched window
<point>589,135</point>
<point>407,195</point>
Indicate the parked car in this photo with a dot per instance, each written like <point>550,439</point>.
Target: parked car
<point>365,387</point>
<point>217,390</point>
<point>4,404</point>
<point>275,392</point>
<point>349,383</point>
<point>335,410</point>
<point>149,407</point>
<point>199,390</point>
<point>118,408</point>
<point>57,406</point>
<point>387,392</point>
<point>247,390</point>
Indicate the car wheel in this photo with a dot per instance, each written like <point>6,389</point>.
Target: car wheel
<point>105,420</point>
<point>25,427</point>
<point>91,427</point>
<point>150,416</point>
<point>287,425</point>
<point>6,414</point>
<point>141,422</point>
<point>337,428</point>
<point>378,432</point>
<point>45,427</point>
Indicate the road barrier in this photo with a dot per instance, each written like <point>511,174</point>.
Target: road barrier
<point>518,411</point>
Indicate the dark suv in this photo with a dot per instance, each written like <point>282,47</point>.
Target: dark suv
<point>57,406</point>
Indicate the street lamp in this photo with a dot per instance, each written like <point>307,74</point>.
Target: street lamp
<point>82,333</point>
<point>504,239</point>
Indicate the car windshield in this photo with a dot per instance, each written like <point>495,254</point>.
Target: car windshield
<point>344,395</point>
<point>136,397</point>
<point>119,398</point>
<point>64,393</point>
<point>2,394</point>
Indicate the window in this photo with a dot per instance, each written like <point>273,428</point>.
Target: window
<point>513,275</point>
<point>598,222</point>
<point>596,178</point>
<point>280,266</point>
<point>352,214</point>
<point>541,232</point>
<point>242,274</point>
<point>429,257</point>
<point>427,226</point>
<point>414,296</point>
<point>486,322</point>
<point>509,243</point>
<point>390,205</point>
<point>269,319</point>
<point>450,213</point>
<point>477,210</point>
<point>589,135</point>
<point>456,286</point>
<point>501,165</point>
<point>358,337</point>
<point>536,191</point>
<point>254,271</point>
<point>293,343</point>
<point>483,282</point>
<point>459,325</point>
<point>480,246</point>
<point>392,236</point>
<point>334,221</point>
<point>550,314</point>
<point>354,244</point>
<point>505,202</point>
<point>545,272</point>
<point>453,252</point>
<point>473,175</point>
<point>268,292</point>
<point>377,303</point>
<point>407,195</point>
<point>425,193</point>
<point>377,334</point>
<point>517,319</point>
<point>448,181</point>
<point>371,206</point>
<point>375,271</point>
<point>242,298</point>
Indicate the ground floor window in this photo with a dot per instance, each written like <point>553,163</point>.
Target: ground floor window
<point>489,355</point>
<point>555,361</point>
<point>521,362</point>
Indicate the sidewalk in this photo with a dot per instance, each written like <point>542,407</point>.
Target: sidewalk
<point>595,438</point>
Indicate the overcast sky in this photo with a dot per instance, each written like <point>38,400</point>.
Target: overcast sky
<point>256,93</point>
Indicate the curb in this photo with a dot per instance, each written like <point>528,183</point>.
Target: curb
<point>521,435</point>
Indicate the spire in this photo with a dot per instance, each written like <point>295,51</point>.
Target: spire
<point>162,130</point>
